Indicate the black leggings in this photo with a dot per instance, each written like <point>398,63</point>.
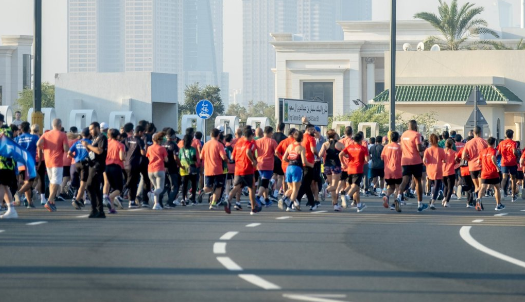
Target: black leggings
<point>306,186</point>
<point>42,175</point>
<point>194,182</point>
<point>449,182</point>
<point>468,186</point>
<point>437,186</point>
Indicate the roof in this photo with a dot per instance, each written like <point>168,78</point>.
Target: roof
<point>447,93</point>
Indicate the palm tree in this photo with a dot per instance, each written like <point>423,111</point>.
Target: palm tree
<point>456,25</point>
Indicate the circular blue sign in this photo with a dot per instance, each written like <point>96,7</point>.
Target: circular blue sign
<point>204,109</point>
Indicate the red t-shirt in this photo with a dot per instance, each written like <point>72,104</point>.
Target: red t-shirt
<point>472,148</point>
<point>449,167</point>
<point>281,148</point>
<point>114,149</point>
<point>243,164</point>
<point>488,169</point>
<point>211,155</point>
<point>69,161</point>
<point>523,156</point>
<point>309,143</point>
<point>391,155</point>
<point>409,142</point>
<point>54,141</point>
<point>464,170</point>
<point>265,153</point>
<point>356,158</point>
<point>156,154</point>
<point>434,157</point>
<point>506,149</point>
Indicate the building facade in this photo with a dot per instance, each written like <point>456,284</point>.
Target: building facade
<point>15,67</point>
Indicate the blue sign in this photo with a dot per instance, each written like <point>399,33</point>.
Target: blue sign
<point>204,109</point>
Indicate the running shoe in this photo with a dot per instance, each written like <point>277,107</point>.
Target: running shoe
<point>3,207</point>
<point>133,205</point>
<point>422,207</point>
<point>24,201</point>
<point>499,207</point>
<point>344,201</point>
<point>385,202</point>
<point>478,205</point>
<point>337,208</point>
<point>31,206</point>
<point>88,202</point>
<point>49,207</point>
<point>361,208</point>
<point>43,202</point>
<point>297,205</point>
<point>290,209</point>
<point>269,203</point>
<point>59,197</point>
<point>393,207</point>
<point>76,204</point>
<point>258,208</point>
<point>183,203</point>
<point>253,213</point>
<point>145,205</point>
<point>213,206</point>
<point>514,198</point>
<point>118,202</point>
<point>106,202</point>
<point>280,204</point>
<point>397,205</point>
<point>432,206</point>
<point>446,205</point>
<point>238,206</point>
<point>112,211</point>
<point>157,207</point>
<point>314,207</point>
<point>228,208</point>
<point>468,206</point>
<point>10,214</point>
<point>176,202</point>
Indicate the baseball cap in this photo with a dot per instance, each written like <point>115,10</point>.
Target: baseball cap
<point>317,129</point>
<point>103,126</point>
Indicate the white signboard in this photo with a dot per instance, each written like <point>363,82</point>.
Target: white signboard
<point>294,111</point>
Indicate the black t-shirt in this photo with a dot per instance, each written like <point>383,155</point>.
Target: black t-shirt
<point>99,162</point>
<point>375,155</point>
<point>173,150</point>
<point>278,137</point>
<point>148,142</point>
<point>133,156</point>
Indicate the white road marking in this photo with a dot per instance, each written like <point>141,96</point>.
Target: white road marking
<point>464,232</point>
<point>229,235</point>
<point>523,210</point>
<point>134,210</point>
<point>501,214</point>
<point>83,216</point>
<point>252,225</point>
<point>256,280</point>
<point>477,220</point>
<point>317,212</point>
<point>219,248</point>
<point>1,231</point>
<point>283,217</point>
<point>315,298</point>
<point>36,223</point>
<point>229,264</point>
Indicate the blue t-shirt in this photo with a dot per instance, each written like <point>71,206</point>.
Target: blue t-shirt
<point>28,142</point>
<point>79,150</point>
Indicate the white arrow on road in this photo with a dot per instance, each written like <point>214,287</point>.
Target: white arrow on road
<point>315,298</point>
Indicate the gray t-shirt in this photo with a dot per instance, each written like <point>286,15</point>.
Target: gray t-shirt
<point>375,156</point>
<point>17,123</point>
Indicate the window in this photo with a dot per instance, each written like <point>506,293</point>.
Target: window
<point>26,77</point>
<point>320,91</point>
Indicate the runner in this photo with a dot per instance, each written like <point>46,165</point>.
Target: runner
<point>509,162</point>
<point>279,152</point>
<point>113,179</point>
<point>459,145</point>
<point>157,156</point>
<point>7,175</point>
<point>81,170</point>
<point>411,162</point>
<point>332,165</point>
<point>377,167</point>
<point>213,155</point>
<point>471,153</point>
<point>391,157</point>
<point>278,172</point>
<point>135,152</point>
<point>433,160</point>
<point>54,143</point>
<point>265,147</point>
<point>27,141</point>
<point>490,174</point>
<point>357,155</point>
<point>188,169</point>
<point>449,171</point>
<point>98,150</point>
<point>466,183</point>
<point>172,168</point>
<point>344,187</point>
<point>295,156</point>
<point>311,174</point>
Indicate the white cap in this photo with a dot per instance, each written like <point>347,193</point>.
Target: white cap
<point>103,126</point>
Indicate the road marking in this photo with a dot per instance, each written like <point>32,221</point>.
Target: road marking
<point>83,216</point>
<point>229,235</point>
<point>36,223</point>
<point>315,298</point>
<point>464,232</point>
<point>523,210</point>
<point>477,220</point>
<point>256,280</point>
<point>134,210</point>
<point>219,248</point>
<point>1,231</point>
<point>317,212</point>
<point>283,217</point>
<point>501,214</point>
<point>229,264</point>
<point>252,225</point>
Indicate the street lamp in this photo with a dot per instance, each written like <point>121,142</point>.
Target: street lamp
<point>37,117</point>
<point>393,47</point>
<point>359,102</point>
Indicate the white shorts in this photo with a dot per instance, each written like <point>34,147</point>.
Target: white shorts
<point>55,175</point>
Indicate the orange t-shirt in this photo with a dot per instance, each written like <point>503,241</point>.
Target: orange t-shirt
<point>265,153</point>
<point>464,170</point>
<point>391,155</point>
<point>281,148</point>
<point>434,157</point>
<point>356,158</point>
<point>308,143</point>
<point>409,141</point>
<point>156,155</point>
<point>54,142</point>
<point>449,167</point>
<point>69,161</point>
<point>211,155</point>
<point>113,157</point>
<point>347,141</point>
<point>472,148</point>
<point>488,168</point>
<point>506,149</point>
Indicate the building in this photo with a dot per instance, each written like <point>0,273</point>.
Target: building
<point>150,96</point>
<point>310,20</point>
<point>15,67</point>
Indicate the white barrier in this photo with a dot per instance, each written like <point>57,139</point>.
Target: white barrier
<point>258,122</point>
<point>337,125</point>
<point>49,116</point>
<point>374,129</point>
<point>8,114</point>
<point>118,119</point>
<point>82,118</point>
<point>229,124</point>
<point>191,121</point>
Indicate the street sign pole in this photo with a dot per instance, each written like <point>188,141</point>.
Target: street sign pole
<point>204,110</point>
<point>37,117</point>
<point>393,66</point>
<point>476,107</point>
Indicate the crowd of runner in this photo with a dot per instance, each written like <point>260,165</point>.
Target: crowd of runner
<point>103,167</point>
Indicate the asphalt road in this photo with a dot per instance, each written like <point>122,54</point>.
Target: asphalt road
<point>193,254</point>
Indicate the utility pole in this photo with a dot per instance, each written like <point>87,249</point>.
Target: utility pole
<point>37,117</point>
<point>393,47</point>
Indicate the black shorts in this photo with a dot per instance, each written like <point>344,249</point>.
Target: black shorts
<point>344,176</point>
<point>214,181</point>
<point>475,174</point>
<point>355,179</point>
<point>377,173</point>
<point>394,182</point>
<point>413,170</point>
<point>243,180</point>
<point>66,171</point>
<point>519,175</point>
<point>513,170</point>
<point>83,171</point>
<point>114,176</point>
<point>7,177</point>
<point>491,181</point>
<point>256,175</point>
<point>317,172</point>
<point>277,166</point>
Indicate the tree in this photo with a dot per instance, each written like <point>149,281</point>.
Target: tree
<point>259,109</point>
<point>371,114</point>
<point>25,99</point>
<point>425,122</point>
<point>238,111</point>
<point>193,94</point>
<point>456,25</point>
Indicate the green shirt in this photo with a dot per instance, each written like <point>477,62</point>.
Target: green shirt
<point>188,157</point>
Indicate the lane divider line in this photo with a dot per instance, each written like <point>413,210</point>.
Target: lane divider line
<point>229,264</point>
<point>252,225</point>
<point>83,216</point>
<point>283,217</point>
<point>36,223</point>
<point>219,248</point>
<point>315,298</point>
<point>228,235</point>
<point>317,212</point>
<point>1,231</point>
<point>260,282</point>
<point>134,210</point>
<point>464,232</point>
<point>501,214</point>
<point>477,220</point>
